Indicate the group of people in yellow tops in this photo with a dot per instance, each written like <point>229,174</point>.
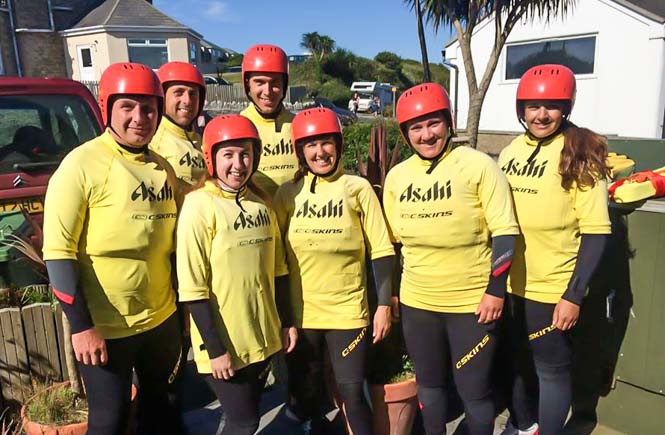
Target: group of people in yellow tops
<point>272,238</point>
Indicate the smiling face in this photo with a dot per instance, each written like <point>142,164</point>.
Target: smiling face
<point>320,154</point>
<point>181,103</point>
<point>134,119</point>
<point>233,163</point>
<point>266,90</point>
<point>428,134</point>
<point>542,118</point>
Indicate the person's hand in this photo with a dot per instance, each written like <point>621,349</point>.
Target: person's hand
<point>289,338</point>
<point>90,347</point>
<point>489,309</point>
<point>381,323</point>
<point>222,367</point>
<point>565,315</point>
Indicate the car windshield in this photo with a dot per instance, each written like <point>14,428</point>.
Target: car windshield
<point>38,129</point>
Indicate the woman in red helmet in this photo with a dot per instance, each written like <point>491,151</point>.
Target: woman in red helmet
<point>231,270</point>
<point>265,76</point>
<point>109,227</point>
<point>450,209</point>
<point>330,220</point>
<point>557,172</point>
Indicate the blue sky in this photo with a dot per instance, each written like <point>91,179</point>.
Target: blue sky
<point>365,27</point>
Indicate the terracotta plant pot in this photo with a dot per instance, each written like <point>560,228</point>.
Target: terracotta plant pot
<point>34,428</point>
<point>394,407</point>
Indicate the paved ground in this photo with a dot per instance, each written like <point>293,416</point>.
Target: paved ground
<point>203,413</point>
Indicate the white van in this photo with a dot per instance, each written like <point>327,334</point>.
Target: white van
<point>367,90</point>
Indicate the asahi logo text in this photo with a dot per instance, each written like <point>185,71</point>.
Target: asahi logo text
<point>328,210</point>
<point>150,193</point>
<point>192,161</point>
<point>282,147</point>
<point>419,194</point>
<point>246,220</point>
<point>532,169</point>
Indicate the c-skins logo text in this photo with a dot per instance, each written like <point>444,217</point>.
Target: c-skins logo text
<point>246,220</point>
<point>328,210</point>
<point>434,193</point>
<point>532,169</point>
<point>150,193</point>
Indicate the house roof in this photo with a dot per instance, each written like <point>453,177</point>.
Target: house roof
<point>654,9</point>
<point>128,13</point>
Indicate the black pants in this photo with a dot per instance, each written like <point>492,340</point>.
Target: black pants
<point>531,339</point>
<point>437,340</point>
<point>239,398</point>
<point>154,356</point>
<point>348,352</point>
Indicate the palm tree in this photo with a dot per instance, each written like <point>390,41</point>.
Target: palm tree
<point>326,45</point>
<point>311,42</point>
<point>465,15</point>
<point>427,76</point>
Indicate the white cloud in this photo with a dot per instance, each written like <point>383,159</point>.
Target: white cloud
<point>217,10</point>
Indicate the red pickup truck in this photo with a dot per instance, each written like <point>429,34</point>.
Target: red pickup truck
<point>41,120</point>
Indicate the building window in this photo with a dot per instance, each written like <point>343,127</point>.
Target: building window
<point>3,4</point>
<point>192,53</point>
<point>2,66</point>
<point>150,52</point>
<point>578,54</point>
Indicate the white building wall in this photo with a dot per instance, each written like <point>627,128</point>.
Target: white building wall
<point>626,94</point>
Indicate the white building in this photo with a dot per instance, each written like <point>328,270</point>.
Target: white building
<point>616,49</point>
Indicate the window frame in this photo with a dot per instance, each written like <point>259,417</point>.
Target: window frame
<point>504,56</point>
<point>148,43</point>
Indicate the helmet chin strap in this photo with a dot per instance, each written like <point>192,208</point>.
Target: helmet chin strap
<point>542,140</point>
<point>436,159</point>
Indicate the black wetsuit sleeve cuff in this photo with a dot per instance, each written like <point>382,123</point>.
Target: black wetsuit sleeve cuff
<point>589,255</point>
<point>64,278</point>
<point>383,272</point>
<point>202,315</point>
<point>503,249</point>
<point>283,302</point>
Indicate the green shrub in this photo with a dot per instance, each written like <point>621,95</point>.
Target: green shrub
<point>357,137</point>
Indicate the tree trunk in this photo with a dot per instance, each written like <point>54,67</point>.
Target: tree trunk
<point>473,118</point>
<point>70,358</point>
<point>427,77</point>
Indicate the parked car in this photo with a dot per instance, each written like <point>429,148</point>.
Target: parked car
<point>346,117</point>
<point>41,120</point>
<point>212,80</point>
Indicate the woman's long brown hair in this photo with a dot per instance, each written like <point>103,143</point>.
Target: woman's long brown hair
<point>583,157</point>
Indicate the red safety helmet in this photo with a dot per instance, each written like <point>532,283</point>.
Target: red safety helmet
<point>265,58</point>
<point>422,100</point>
<point>225,128</point>
<point>183,72</point>
<point>315,122</point>
<point>127,78</point>
<point>546,82</point>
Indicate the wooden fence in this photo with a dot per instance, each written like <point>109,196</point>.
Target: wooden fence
<point>31,349</point>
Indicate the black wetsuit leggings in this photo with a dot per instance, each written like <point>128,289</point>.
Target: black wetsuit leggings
<point>154,355</point>
<point>436,341</point>
<point>348,351</point>
<point>531,339</point>
<point>239,398</point>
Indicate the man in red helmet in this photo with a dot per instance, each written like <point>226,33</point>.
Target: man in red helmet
<point>176,140</point>
<point>265,75</point>
<point>109,226</point>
